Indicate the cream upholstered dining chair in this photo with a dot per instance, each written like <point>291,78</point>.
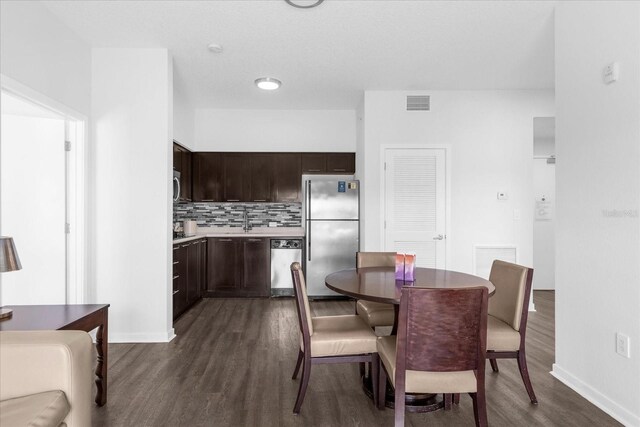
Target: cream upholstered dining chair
<point>375,313</point>
<point>440,347</point>
<point>508,312</point>
<point>328,339</point>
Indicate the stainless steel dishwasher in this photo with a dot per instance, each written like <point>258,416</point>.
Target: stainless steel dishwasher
<point>283,253</point>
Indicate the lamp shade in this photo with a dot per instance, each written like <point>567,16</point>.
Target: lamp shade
<point>9,260</point>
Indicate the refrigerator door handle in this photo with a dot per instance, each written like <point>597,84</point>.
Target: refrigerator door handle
<point>308,241</point>
<point>307,211</point>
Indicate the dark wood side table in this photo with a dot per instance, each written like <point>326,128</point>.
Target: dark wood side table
<point>83,317</point>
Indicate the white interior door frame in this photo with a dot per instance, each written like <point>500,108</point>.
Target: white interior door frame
<point>447,150</point>
<point>77,132</point>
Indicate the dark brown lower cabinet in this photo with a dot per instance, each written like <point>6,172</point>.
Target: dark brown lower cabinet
<point>189,274</point>
<point>238,267</point>
<point>180,279</point>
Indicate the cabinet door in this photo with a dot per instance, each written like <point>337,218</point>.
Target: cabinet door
<point>177,157</point>
<point>185,177</point>
<point>223,267</point>
<point>314,163</point>
<point>236,179</point>
<point>261,177</point>
<point>287,178</point>
<point>341,162</point>
<point>180,279</point>
<point>207,177</point>
<point>193,276</point>
<point>202,266</point>
<point>256,269</point>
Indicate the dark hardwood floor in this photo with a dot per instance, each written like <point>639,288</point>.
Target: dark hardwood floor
<point>232,361</point>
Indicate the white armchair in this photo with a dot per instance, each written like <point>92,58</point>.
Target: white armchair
<point>45,378</point>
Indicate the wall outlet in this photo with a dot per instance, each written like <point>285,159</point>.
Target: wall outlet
<point>622,345</point>
<point>502,195</point>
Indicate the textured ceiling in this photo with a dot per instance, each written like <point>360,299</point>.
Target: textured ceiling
<point>327,56</point>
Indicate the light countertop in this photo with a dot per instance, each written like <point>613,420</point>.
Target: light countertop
<point>238,232</point>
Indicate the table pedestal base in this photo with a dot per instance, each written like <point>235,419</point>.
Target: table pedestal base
<point>412,402</point>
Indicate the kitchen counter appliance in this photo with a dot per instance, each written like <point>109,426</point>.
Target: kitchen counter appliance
<point>331,217</point>
<point>283,253</point>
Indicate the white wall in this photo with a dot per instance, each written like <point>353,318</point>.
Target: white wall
<point>32,207</point>
<point>598,171</point>
<point>275,130</point>
<point>132,133</point>
<point>183,117</point>
<point>490,135</point>
<point>39,51</point>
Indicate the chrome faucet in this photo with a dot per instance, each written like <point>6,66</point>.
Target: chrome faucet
<point>247,226</point>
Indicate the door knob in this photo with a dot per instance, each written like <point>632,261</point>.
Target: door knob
<point>439,237</point>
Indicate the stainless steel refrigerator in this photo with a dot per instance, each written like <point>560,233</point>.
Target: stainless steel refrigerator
<point>331,218</point>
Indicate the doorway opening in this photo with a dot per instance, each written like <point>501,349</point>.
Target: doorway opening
<point>42,198</point>
<point>544,187</point>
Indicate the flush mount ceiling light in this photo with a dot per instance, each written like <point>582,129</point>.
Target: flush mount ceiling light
<point>268,83</point>
<point>303,6</point>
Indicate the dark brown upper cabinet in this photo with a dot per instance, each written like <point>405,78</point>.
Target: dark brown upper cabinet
<point>287,177</point>
<point>314,163</point>
<point>237,179</point>
<point>207,177</point>
<point>257,177</point>
<point>341,163</point>
<point>261,170</point>
<point>182,163</point>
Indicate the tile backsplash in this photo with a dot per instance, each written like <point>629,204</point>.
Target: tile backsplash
<point>232,214</point>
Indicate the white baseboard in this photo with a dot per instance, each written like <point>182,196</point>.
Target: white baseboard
<point>142,337</point>
<point>619,413</point>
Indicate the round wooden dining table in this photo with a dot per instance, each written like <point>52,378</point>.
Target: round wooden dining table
<point>379,284</point>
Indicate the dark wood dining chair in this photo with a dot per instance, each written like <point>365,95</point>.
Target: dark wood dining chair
<point>440,347</point>
<point>328,339</point>
<point>508,313</point>
<point>375,313</point>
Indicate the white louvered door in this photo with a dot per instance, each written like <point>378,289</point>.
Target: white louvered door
<point>414,205</point>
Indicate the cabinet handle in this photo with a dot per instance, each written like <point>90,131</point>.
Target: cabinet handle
<point>186,246</point>
<point>176,262</point>
<point>255,240</point>
<point>261,200</point>
<point>225,240</point>
<point>175,292</point>
<point>207,200</point>
<point>176,247</point>
<point>175,277</point>
<point>339,170</point>
<point>313,170</point>
<point>233,200</point>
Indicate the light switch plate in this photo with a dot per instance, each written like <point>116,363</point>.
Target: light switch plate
<point>622,345</point>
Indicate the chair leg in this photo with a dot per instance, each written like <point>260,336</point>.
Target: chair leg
<point>494,365</point>
<point>479,408</point>
<point>399,407</point>
<point>382,385</point>
<point>447,401</point>
<point>362,369</point>
<point>306,372</point>
<point>456,398</point>
<point>373,373</point>
<point>298,363</point>
<point>524,373</point>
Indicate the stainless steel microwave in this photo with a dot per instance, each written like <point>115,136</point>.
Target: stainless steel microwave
<point>176,185</point>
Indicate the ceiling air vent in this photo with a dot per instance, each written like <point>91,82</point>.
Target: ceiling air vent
<point>418,103</point>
